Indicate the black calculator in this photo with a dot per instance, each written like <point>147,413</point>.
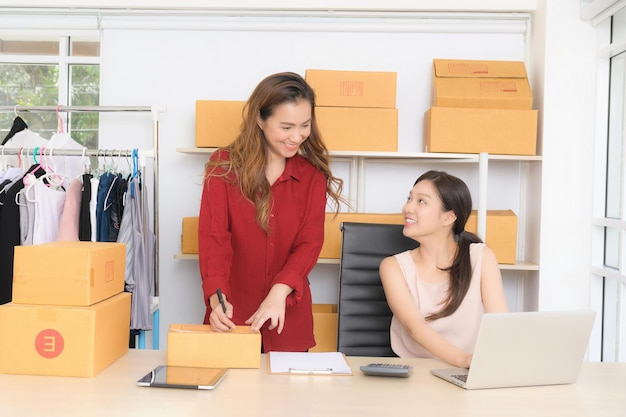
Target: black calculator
<point>387,369</point>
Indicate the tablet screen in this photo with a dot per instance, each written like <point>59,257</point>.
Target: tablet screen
<point>182,377</point>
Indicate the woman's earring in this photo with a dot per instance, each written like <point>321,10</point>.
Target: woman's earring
<point>457,237</point>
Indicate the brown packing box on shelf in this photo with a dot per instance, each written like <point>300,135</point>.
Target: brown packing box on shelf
<point>196,345</point>
<point>63,340</point>
<point>189,243</point>
<point>495,131</point>
<point>501,233</point>
<point>358,128</point>
<point>337,88</point>
<point>68,273</point>
<point>325,327</point>
<point>332,232</point>
<point>481,84</point>
<point>217,122</point>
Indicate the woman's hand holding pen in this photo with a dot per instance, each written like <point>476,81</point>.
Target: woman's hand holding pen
<point>221,313</point>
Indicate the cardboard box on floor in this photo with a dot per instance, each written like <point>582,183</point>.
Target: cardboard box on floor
<point>217,122</point>
<point>197,346</point>
<point>68,273</point>
<point>63,340</point>
<point>332,232</point>
<point>325,327</point>
<point>338,88</point>
<point>495,131</point>
<point>189,241</point>
<point>481,84</point>
<point>501,233</point>
<point>358,128</point>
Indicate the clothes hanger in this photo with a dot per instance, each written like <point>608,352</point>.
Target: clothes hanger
<point>51,179</point>
<point>60,127</point>
<point>18,125</point>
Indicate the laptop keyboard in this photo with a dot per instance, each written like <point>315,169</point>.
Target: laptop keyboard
<point>462,377</point>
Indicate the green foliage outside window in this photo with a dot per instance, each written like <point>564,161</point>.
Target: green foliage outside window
<point>38,85</point>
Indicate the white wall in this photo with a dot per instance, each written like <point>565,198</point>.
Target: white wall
<point>568,62</point>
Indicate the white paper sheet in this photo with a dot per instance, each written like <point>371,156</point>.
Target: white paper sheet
<point>309,363</point>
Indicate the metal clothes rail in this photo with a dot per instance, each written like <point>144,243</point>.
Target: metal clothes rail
<point>155,111</point>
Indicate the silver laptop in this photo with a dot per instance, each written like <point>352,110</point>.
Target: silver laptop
<point>525,349</point>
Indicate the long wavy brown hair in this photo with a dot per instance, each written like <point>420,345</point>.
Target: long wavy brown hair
<point>247,161</point>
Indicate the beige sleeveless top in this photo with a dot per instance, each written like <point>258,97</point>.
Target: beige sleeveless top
<point>460,328</point>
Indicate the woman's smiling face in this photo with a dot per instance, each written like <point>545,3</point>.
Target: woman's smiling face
<point>287,128</point>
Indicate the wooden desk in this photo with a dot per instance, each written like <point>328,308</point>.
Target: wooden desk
<point>600,391</point>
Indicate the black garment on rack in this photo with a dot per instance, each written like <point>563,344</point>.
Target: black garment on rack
<point>10,232</point>
<point>18,125</point>
<point>116,211</point>
<point>84,215</point>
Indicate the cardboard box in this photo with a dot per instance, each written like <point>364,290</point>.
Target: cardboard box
<point>68,273</point>
<point>189,241</point>
<point>218,122</point>
<point>481,84</point>
<point>495,131</point>
<point>325,327</point>
<point>332,232</point>
<point>63,340</point>
<point>501,233</point>
<point>196,345</point>
<point>358,128</point>
<point>466,68</point>
<point>353,88</point>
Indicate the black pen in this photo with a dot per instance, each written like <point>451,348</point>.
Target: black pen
<point>221,298</point>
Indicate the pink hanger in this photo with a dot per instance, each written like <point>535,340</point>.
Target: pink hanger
<point>60,130</point>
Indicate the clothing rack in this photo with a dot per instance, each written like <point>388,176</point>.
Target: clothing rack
<point>155,110</point>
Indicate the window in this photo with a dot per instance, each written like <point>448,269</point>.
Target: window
<point>64,71</point>
<point>610,216</point>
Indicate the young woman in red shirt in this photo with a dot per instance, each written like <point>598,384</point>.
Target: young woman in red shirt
<point>261,225</point>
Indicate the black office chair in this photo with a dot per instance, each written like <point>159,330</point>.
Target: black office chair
<point>363,313</point>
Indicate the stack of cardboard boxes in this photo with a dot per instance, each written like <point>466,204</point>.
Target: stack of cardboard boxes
<point>69,315</point>
<point>356,110</point>
<point>480,106</point>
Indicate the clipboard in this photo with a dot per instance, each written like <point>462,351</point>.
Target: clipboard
<point>308,363</point>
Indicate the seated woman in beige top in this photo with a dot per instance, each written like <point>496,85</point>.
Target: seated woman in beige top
<point>439,291</point>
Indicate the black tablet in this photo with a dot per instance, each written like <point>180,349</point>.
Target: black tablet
<point>183,377</point>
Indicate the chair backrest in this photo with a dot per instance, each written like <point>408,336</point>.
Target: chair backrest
<point>363,313</point>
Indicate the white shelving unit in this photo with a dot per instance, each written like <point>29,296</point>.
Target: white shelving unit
<point>358,165</point>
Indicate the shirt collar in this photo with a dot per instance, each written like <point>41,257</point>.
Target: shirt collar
<point>291,170</point>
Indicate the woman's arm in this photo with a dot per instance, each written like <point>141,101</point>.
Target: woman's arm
<point>491,288</point>
<point>307,243</point>
<point>215,252</point>
<point>406,311</point>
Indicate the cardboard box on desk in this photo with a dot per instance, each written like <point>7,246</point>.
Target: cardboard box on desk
<point>68,273</point>
<point>466,130</point>
<point>332,233</point>
<point>481,84</point>
<point>217,122</point>
<point>501,233</point>
<point>358,128</point>
<point>325,327</point>
<point>63,340</point>
<point>337,88</point>
<point>189,243</point>
<point>196,345</point>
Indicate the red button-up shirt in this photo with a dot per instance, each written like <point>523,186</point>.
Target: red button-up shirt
<point>238,257</point>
